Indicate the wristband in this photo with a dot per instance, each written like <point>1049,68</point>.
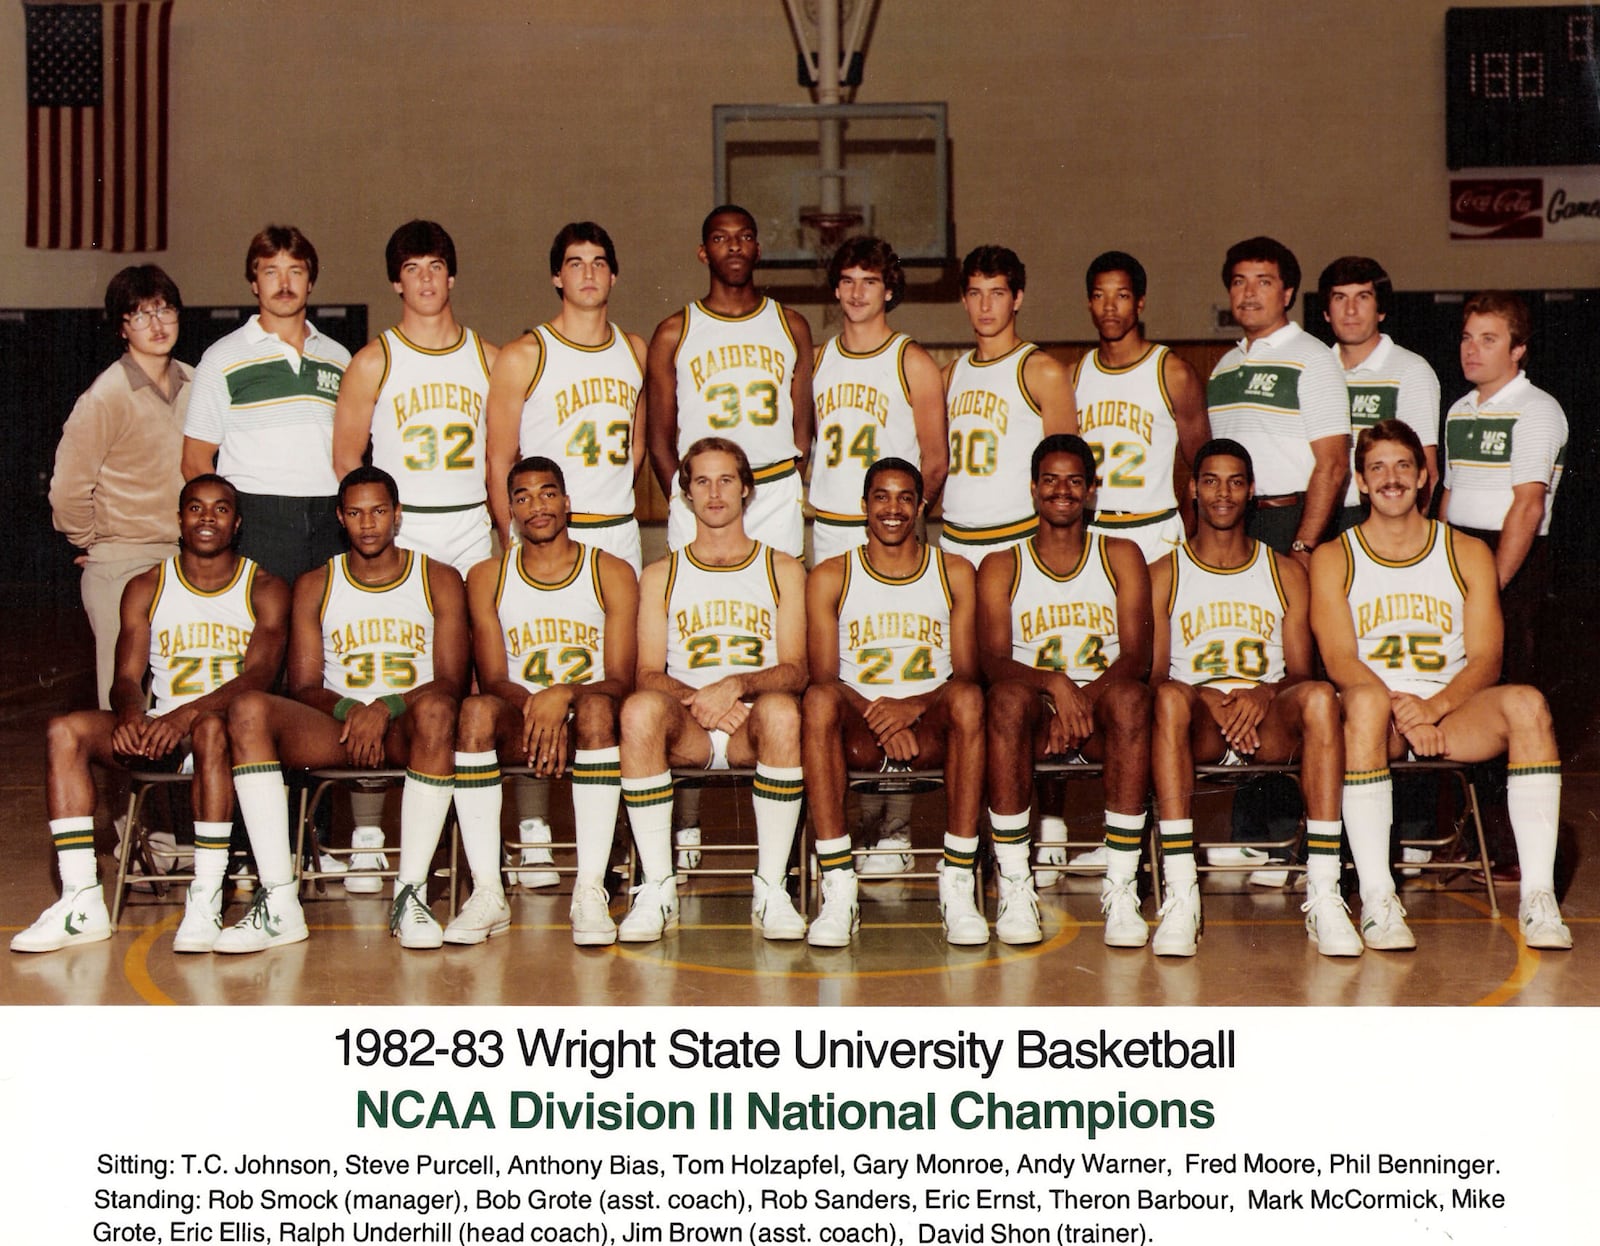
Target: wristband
<point>395,704</point>
<point>343,706</point>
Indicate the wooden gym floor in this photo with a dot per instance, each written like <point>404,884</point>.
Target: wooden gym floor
<point>1254,950</point>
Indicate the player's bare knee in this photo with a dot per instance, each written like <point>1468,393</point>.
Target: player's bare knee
<point>1319,712</point>
<point>249,716</point>
<point>594,720</point>
<point>475,732</point>
<point>1365,707</point>
<point>819,708</point>
<point>433,719</point>
<point>1171,710</point>
<point>209,738</point>
<point>1008,708</point>
<point>965,703</point>
<point>1125,706</point>
<point>644,716</point>
<point>1528,713</point>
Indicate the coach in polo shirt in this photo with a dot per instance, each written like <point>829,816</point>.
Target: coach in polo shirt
<point>262,407</point>
<point>1281,395</point>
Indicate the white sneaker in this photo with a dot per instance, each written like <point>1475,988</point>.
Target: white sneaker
<point>484,915</point>
<point>773,911</point>
<point>202,918</point>
<point>80,917</point>
<point>1179,931</point>
<point>533,831</point>
<point>1052,851</point>
<point>688,840</point>
<point>275,919</point>
<point>889,855</point>
<point>840,918</point>
<point>1016,921</point>
<point>1410,859</point>
<point>1539,919</point>
<point>591,917</point>
<point>1125,925</point>
<point>1383,925</point>
<point>964,924</point>
<point>654,912</point>
<point>1328,922</point>
<point>327,863</point>
<point>368,885</point>
<point>412,920</point>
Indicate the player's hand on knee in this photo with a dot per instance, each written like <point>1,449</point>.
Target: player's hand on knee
<point>1426,740</point>
<point>902,746</point>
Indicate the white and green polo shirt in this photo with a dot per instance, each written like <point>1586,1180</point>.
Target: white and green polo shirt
<point>1392,383</point>
<point>1517,436</point>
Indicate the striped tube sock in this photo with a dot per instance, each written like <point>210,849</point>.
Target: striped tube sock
<point>478,797</point>
<point>596,793</point>
<point>264,800</point>
<point>834,854</point>
<point>1124,837</point>
<point>960,853</point>
<point>1177,852</point>
<point>424,803</point>
<point>74,842</point>
<point>1368,815</point>
<point>211,851</point>
<point>648,800</point>
<point>1322,853</point>
<point>1533,799</point>
<point>1010,839</point>
<point>776,799</point>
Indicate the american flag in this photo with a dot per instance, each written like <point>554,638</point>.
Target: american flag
<point>97,123</point>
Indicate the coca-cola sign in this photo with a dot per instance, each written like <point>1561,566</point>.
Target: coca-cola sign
<point>1497,207</point>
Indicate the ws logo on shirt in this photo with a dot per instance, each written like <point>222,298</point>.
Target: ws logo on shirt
<point>328,381</point>
<point>1262,384</point>
<point>1494,443</point>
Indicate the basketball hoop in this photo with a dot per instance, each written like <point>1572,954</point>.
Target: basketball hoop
<point>829,229</point>
<point>805,22</point>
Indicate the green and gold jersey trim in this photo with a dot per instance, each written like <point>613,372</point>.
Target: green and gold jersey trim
<point>836,520</point>
<point>1132,519</point>
<point>549,586</point>
<point>1019,353</point>
<point>243,567</point>
<point>901,580</point>
<point>1032,546</point>
<point>775,471</point>
<point>992,534</point>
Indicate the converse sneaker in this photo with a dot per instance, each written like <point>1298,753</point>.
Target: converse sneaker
<point>1383,925</point>
<point>688,840</point>
<point>964,924</point>
<point>533,831</point>
<point>328,864</point>
<point>273,920</point>
<point>1539,919</point>
<point>654,912</point>
<point>591,917</point>
<point>773,911</point>
<point>484,915</point>
<point>840,918</point>
<point>1328,922</point>
<point>1016,921</point>
<point>1412,860</point>
<point>369,884</point>
<point>1179,931</point>
<point>412,920</point>
<point>888,856</point>
<point>1125,926</point>
<point>202,918</point>
<point>80,917</point>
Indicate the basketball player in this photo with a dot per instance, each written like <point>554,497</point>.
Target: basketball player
<point>553,631</point>
<point>877,394</point>
<point>1386,381</point>
<point>209,626</point>
<point>1232,675</point>
<point>417,392</point>
<point>722,663</point>
<point>1407,618</point>
<point>572,391</point>
<point>1002,397</point>
<point>1138,406</point>
<point>893,657</point>
<point>1064,636</point>
<point>736,365</point>
<point>377,665</point>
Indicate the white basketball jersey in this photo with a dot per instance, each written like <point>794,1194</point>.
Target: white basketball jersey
<point>1227,623</point>
<point>579,413</point>
<point>427,425</point>
<point>863,405</point>
<point>1410,616</point>
<point>553,632</point>
<point>733,381</point>
<point>1066,622</point>
<point>1125,414</point>
<point>894,635</point>
<point>377,639</point>
<point>197,639</point>
<point>994,425</point>
<point>720,620</point>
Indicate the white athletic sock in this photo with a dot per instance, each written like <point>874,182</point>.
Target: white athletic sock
<point>1177,853</point>
<point>1124,837</point>
<point>834,854</point>
<point>596,793</point>
<point>960,852</point>
<point>74,843</point>
<point>478,797</point>
<point>211,851</point>
<point>424,804</point>
<point>776,799</point>
<point>264,800</point>
<point>1368,815</point>
<point>649,803</point>
<point>1322,853</point>
<point>1010,839</point>
<point>1533,799</point>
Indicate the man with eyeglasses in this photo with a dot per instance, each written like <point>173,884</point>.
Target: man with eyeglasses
<point>115,488</point>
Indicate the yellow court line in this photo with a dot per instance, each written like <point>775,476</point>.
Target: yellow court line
<point>136,963</point>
